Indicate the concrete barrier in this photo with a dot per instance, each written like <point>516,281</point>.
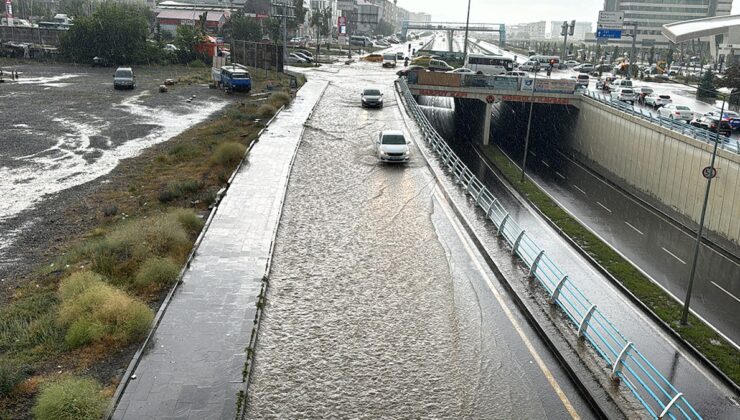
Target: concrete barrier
<point>660,164</point>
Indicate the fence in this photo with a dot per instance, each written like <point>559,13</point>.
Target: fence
<point>259,55</point>
<point>627,365</point>
<point>689,130</point>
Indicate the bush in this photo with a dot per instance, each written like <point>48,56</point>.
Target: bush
<point>198,64</point>
<point>156,271</point>
<point>12,374</point>
<point>30,321</point>
<point>228,153</point>
<point>110,210</point>
<point>72,398</point>
<point>279,99</point>
<point>189,220</point>
<point>183,152</point>
<point>179,189</point>
<point>266,111</point>
<point>92,310</point>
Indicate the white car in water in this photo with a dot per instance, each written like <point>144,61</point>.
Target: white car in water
<point>393,146</point>
<point>676,112</point>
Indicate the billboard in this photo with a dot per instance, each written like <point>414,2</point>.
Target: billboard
<point>505,83</point>
<point>566,86</point>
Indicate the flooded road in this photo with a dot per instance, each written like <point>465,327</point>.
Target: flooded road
<point>378,305</point>
<point>64,126</point>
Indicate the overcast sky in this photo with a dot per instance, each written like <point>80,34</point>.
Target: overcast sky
<point>511,11</point>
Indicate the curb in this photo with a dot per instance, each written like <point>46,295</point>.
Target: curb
<point>598,408</point>
<point>126,378</point>
<point>603,271</point>
<point>251,347</point>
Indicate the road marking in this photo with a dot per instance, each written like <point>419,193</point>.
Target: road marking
<point>576,187</point>
<point>674,256</point>
<point>545,163</point>
<point>533,154</point>
<point>550,378</point>
<point>604,207</point>
<point>723,289</point>
<point>633,228</point>
<point>559,174</point>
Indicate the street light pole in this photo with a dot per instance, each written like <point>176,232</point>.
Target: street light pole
<point>697,245</point>
<point>467,24</point>
<point>632,52</point>
<point>529,123</point>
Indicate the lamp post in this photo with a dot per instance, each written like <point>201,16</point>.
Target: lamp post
<point>529,121</point>
<point>467,24</point>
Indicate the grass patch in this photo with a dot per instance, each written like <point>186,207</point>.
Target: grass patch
<point>93,310</point>
<point>11,375</point>
<point>179,189</point>
<point>228,154</point>
<point>156,273</point>
<point>70,398</point>
<point>266,111</point>
<point>279,99</point>
<point>708,342</point>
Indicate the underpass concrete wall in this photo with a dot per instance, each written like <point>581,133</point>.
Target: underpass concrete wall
<point>660,165</point>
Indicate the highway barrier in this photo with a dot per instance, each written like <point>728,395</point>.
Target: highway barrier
<point>625,362</point>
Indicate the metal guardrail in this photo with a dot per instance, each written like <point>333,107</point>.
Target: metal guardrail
<point>673,125</point>
<point>626,364</point>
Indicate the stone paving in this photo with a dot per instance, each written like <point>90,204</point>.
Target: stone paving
<point>193,366</point>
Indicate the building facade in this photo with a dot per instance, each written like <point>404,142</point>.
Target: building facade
<point>651,15</point>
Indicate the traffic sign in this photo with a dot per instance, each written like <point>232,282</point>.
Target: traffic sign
<point>648,42</point>
<point>709,172</point>
<point>609,33</point>
<point>610,20</point>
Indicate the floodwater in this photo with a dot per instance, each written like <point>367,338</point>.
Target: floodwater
<point>375,308</point>
<point>64,126</point>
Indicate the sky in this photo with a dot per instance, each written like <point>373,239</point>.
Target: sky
<point>512,11</point>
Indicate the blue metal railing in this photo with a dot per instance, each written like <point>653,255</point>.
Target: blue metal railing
<point>689,130</point>
<point>627,365</point>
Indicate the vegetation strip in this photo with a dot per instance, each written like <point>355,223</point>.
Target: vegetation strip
<point>81,315</point>
<point>723,356</point>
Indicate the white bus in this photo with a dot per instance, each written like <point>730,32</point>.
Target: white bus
<point>489,64</point>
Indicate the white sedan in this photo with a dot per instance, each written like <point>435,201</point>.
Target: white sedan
<point>461,70</point>
<point>676,112</point>
<point>656,101</point>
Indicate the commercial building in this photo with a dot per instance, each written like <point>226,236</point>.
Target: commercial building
<point>170,19</point>
<point>365,15</point>
<point>581,30</point>
<point>651,15</point>
<point>420,17</point>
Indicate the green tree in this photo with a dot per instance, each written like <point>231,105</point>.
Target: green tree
<point>320,21</point>
<point>732,81</point>
<point>115,31</point>
<point>706,88</point>
<point>242,27</point>
<point>274,29</point>
<point>186,39</point>
<point>300,15</point>
<point>615,53</point>
<point>669,58</point>
<point>384,28</point>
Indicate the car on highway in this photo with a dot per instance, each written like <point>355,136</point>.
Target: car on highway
<point>642,92</point>
<point>657,100</point>
<point>620,83</point>
<point>371,98</point>
<point>516,73</point>
<point>392,146</point>
<point>571,63</point>
<point>389,61</point>
<point>410,69</point>
<point>582,80</point>
<point>124,78</point>
<point>730,116</point>
<point>676,112</point>
<point>604,82</point>
<point>530,65</point>
<point>584,68</point>
<point>624,94</point>
<point>461,70</point>
<point>439,65</point>
<point>713,124</point>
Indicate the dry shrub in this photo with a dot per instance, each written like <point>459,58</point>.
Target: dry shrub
<point>266,111</point>
<point>228,154</point>
<point>156,273</point>
<point>70,398</point>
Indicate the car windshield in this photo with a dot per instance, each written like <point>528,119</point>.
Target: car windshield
<point>665,97</point>
<point>371,92</point>
<point>393,139</point>
<point>683,108</point>
<point>123,73</point>
<point>627,91</point>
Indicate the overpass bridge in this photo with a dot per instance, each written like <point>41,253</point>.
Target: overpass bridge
<point>452,27</point>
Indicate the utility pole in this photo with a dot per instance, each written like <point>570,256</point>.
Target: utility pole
<point>285,32</point>
<point>632,52</point>
<point>529,121</point>
<point>566,30</point>
<point>467,24</point>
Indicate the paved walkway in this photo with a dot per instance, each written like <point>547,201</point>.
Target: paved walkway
<point>193,367</point>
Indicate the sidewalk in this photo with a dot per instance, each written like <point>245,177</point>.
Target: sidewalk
<point>192,368</point>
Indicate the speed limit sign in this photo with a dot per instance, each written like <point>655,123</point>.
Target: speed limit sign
<point>709,172</point>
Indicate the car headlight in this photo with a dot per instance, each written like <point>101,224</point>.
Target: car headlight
<point>383,153</point>
<point>408,152</point>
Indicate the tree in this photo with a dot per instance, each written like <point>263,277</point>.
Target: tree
<point>300,15</point>
<point>273,27</point>
<point>384,28</point>
<point>320,21</point>
<point>243,28</point>
<point>651,58</point>
<point>706,88</point>
<point>187,38</point>
<point>115,31</point>
<point>732,81</point>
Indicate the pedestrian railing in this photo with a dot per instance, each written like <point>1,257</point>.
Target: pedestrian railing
<point>689,130</point>
<point>626,364</point>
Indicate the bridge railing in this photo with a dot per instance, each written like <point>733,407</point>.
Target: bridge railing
<point>625,362</point>
<point>689,130</point>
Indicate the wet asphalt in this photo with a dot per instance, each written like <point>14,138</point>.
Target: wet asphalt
<point>378,305</point>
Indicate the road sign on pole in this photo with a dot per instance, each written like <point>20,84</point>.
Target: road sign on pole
<point>709,172</point>
<point>609,33</point>
<point>610,20</point>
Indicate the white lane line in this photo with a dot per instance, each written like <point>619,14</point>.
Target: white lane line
<point>674,256</point>
<point>543,367</point>
<point>633,228</point>
<point>604,207</point>
<point>576,187</point>
<point>532,153</point>
<point>723,289</point>
<point>545,163</point>
<point>559,174</point>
